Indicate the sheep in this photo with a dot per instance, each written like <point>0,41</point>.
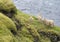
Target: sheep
<point>39,17</point>
<point>31,19</point>
<point>46,21</point>
<point>49,22</point>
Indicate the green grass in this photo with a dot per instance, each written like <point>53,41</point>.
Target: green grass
<point>7,6</point>
<point>5,34</point>
<point>28,30</point>
<point>7,22</point>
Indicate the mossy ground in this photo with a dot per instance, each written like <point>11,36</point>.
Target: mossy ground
<point>20,28</point>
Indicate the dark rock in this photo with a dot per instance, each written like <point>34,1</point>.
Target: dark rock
<point>18,24</point>
<point>53,37</point>
<point>13,32</point>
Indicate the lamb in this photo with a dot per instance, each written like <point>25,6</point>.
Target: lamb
<point>49,22</point>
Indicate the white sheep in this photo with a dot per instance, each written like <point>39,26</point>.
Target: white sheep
<point>31,19</point>
<point>49,22</point>
<point>39,17</point>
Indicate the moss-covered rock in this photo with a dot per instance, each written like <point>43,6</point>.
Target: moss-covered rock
<point>7,8</point>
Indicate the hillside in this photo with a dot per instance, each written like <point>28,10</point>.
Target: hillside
<point>16,26</point>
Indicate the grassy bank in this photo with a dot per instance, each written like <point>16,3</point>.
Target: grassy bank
<point>16,26</point>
